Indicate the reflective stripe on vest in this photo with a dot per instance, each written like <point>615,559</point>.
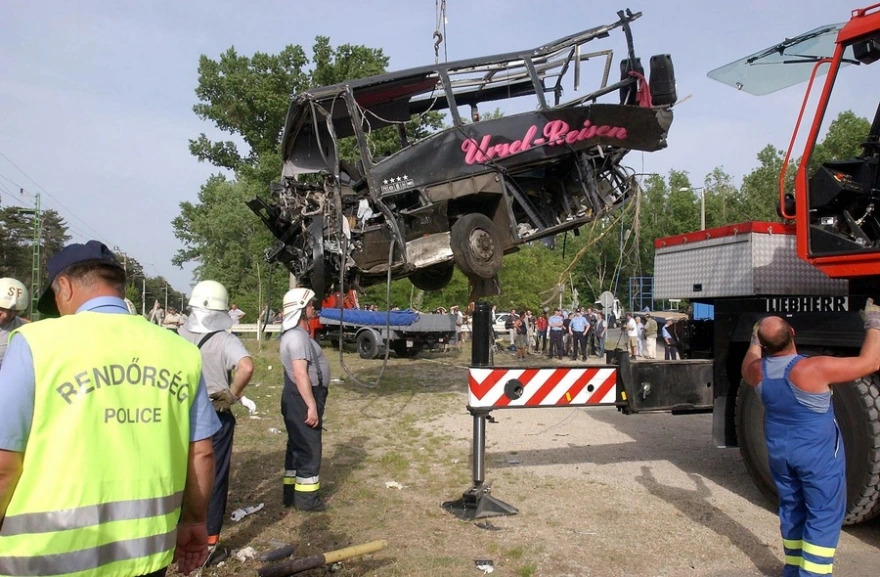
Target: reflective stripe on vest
<point>111,409</point>
<point>90,559</point>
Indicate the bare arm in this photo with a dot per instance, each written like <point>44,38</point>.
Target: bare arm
<point>199,482</point>
<point>814,374</point>
<point>10,471</point>
<point>243,373</point>
<point>751,365</point>
<point>192,532</point>
<point>304,386</point>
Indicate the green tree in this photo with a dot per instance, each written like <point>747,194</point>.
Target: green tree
<point>760,188</point>
<point>17,242</point>
<point>246,97</point>
<point>843,140</point>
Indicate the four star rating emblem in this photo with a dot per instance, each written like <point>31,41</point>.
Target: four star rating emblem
<point>393,179</point>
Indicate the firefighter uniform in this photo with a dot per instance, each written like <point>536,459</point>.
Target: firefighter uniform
<point>114,407</point>
<point>302,461</point>
<point>807,463</point>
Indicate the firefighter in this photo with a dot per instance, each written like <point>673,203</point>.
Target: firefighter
<point>804,444</point>
<point>13,300</point>
<point>306,378</point>
<point>222,351</point>
<point>105,440</point>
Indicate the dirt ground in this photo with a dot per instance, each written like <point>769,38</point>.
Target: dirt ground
<point>598,492</point>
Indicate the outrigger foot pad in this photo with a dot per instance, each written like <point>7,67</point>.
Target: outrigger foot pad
<point>476,503</point>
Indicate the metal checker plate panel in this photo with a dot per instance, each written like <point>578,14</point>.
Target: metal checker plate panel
<point>738,265</point>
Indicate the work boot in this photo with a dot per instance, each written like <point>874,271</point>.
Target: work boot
<point>288,497</point>
<point>216,554</point>
<point>308,501</point>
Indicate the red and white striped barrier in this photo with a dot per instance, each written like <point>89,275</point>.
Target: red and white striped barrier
<point>499,387</point>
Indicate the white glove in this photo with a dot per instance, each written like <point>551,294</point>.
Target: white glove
<point>871,314</point>
<point>248,404</point>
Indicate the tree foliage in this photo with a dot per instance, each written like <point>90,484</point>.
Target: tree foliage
<point>17,243</point>
<point>246,97</point>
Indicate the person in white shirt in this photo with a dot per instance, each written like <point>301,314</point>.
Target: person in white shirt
<point>632,333</point>
<point>235,313</point>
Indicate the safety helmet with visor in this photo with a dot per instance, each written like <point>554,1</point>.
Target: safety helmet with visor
<point>295,301</point>
<point>13,295</point>
<point>211,295</point>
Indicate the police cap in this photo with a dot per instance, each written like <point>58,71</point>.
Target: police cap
<point>91,252</point>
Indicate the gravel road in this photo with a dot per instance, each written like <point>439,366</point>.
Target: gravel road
<point>653,485</point>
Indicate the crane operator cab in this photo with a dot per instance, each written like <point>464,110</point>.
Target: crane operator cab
<point>836,201</point>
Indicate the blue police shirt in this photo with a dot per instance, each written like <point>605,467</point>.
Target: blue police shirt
<point>579,324</point>
<point>17,388</point>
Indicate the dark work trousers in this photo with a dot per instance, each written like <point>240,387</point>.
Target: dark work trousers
<point>222,442</point>
<point>302,461</point>
<point>591,340</point>
<point>579,341</point>
<point>556,343</point>
<point>159,573</point>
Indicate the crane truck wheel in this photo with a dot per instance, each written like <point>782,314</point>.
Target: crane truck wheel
<point>367,344</point>
<point>857,410</point>
<point>750,438</point>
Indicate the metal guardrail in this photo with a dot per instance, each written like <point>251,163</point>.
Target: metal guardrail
<point>254,328</point>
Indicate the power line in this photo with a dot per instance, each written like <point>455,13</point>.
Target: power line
<point>73,214</point>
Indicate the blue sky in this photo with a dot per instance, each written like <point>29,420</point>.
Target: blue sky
<point>96,97</point>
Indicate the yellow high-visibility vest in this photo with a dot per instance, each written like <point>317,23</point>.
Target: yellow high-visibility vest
<point>105,464</point>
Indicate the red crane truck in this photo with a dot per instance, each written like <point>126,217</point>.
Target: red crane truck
<point>816,268</point>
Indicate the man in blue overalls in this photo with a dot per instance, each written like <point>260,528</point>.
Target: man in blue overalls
<point>804,445</point>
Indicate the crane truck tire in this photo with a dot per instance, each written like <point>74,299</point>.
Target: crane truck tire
<point>857,410</point>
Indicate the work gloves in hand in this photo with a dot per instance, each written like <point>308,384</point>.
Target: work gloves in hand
<point>871,314</point>
<point>755,340</point>
<point>223,400</point>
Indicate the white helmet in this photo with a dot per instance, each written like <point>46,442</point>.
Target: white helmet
<point>13,295</point>
<point>295,300</point>
<point>211,295</point>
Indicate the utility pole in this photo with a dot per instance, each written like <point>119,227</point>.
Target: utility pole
<point>144,296</point>
<point>166,296</point>
<point>35,261</point>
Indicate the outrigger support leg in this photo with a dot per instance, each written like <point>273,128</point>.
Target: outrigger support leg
<point>476,503</point>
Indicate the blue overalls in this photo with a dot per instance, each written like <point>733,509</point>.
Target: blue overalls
<point>807,462</point>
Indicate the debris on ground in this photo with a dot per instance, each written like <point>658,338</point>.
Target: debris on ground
<point>247,553</point>
<point>240,514</point>
<point>394,485</point>
<point>485,565</point>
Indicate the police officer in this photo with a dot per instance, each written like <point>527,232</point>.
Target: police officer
<point>221,353</point>
<point>13,300</point>
<point>122,405</point>
<point>804,444</point>
<point>306,378</point>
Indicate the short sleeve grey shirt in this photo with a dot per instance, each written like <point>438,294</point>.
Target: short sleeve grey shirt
<point>5,331</point>
<point>220,354</point>
<point>296,345</point>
